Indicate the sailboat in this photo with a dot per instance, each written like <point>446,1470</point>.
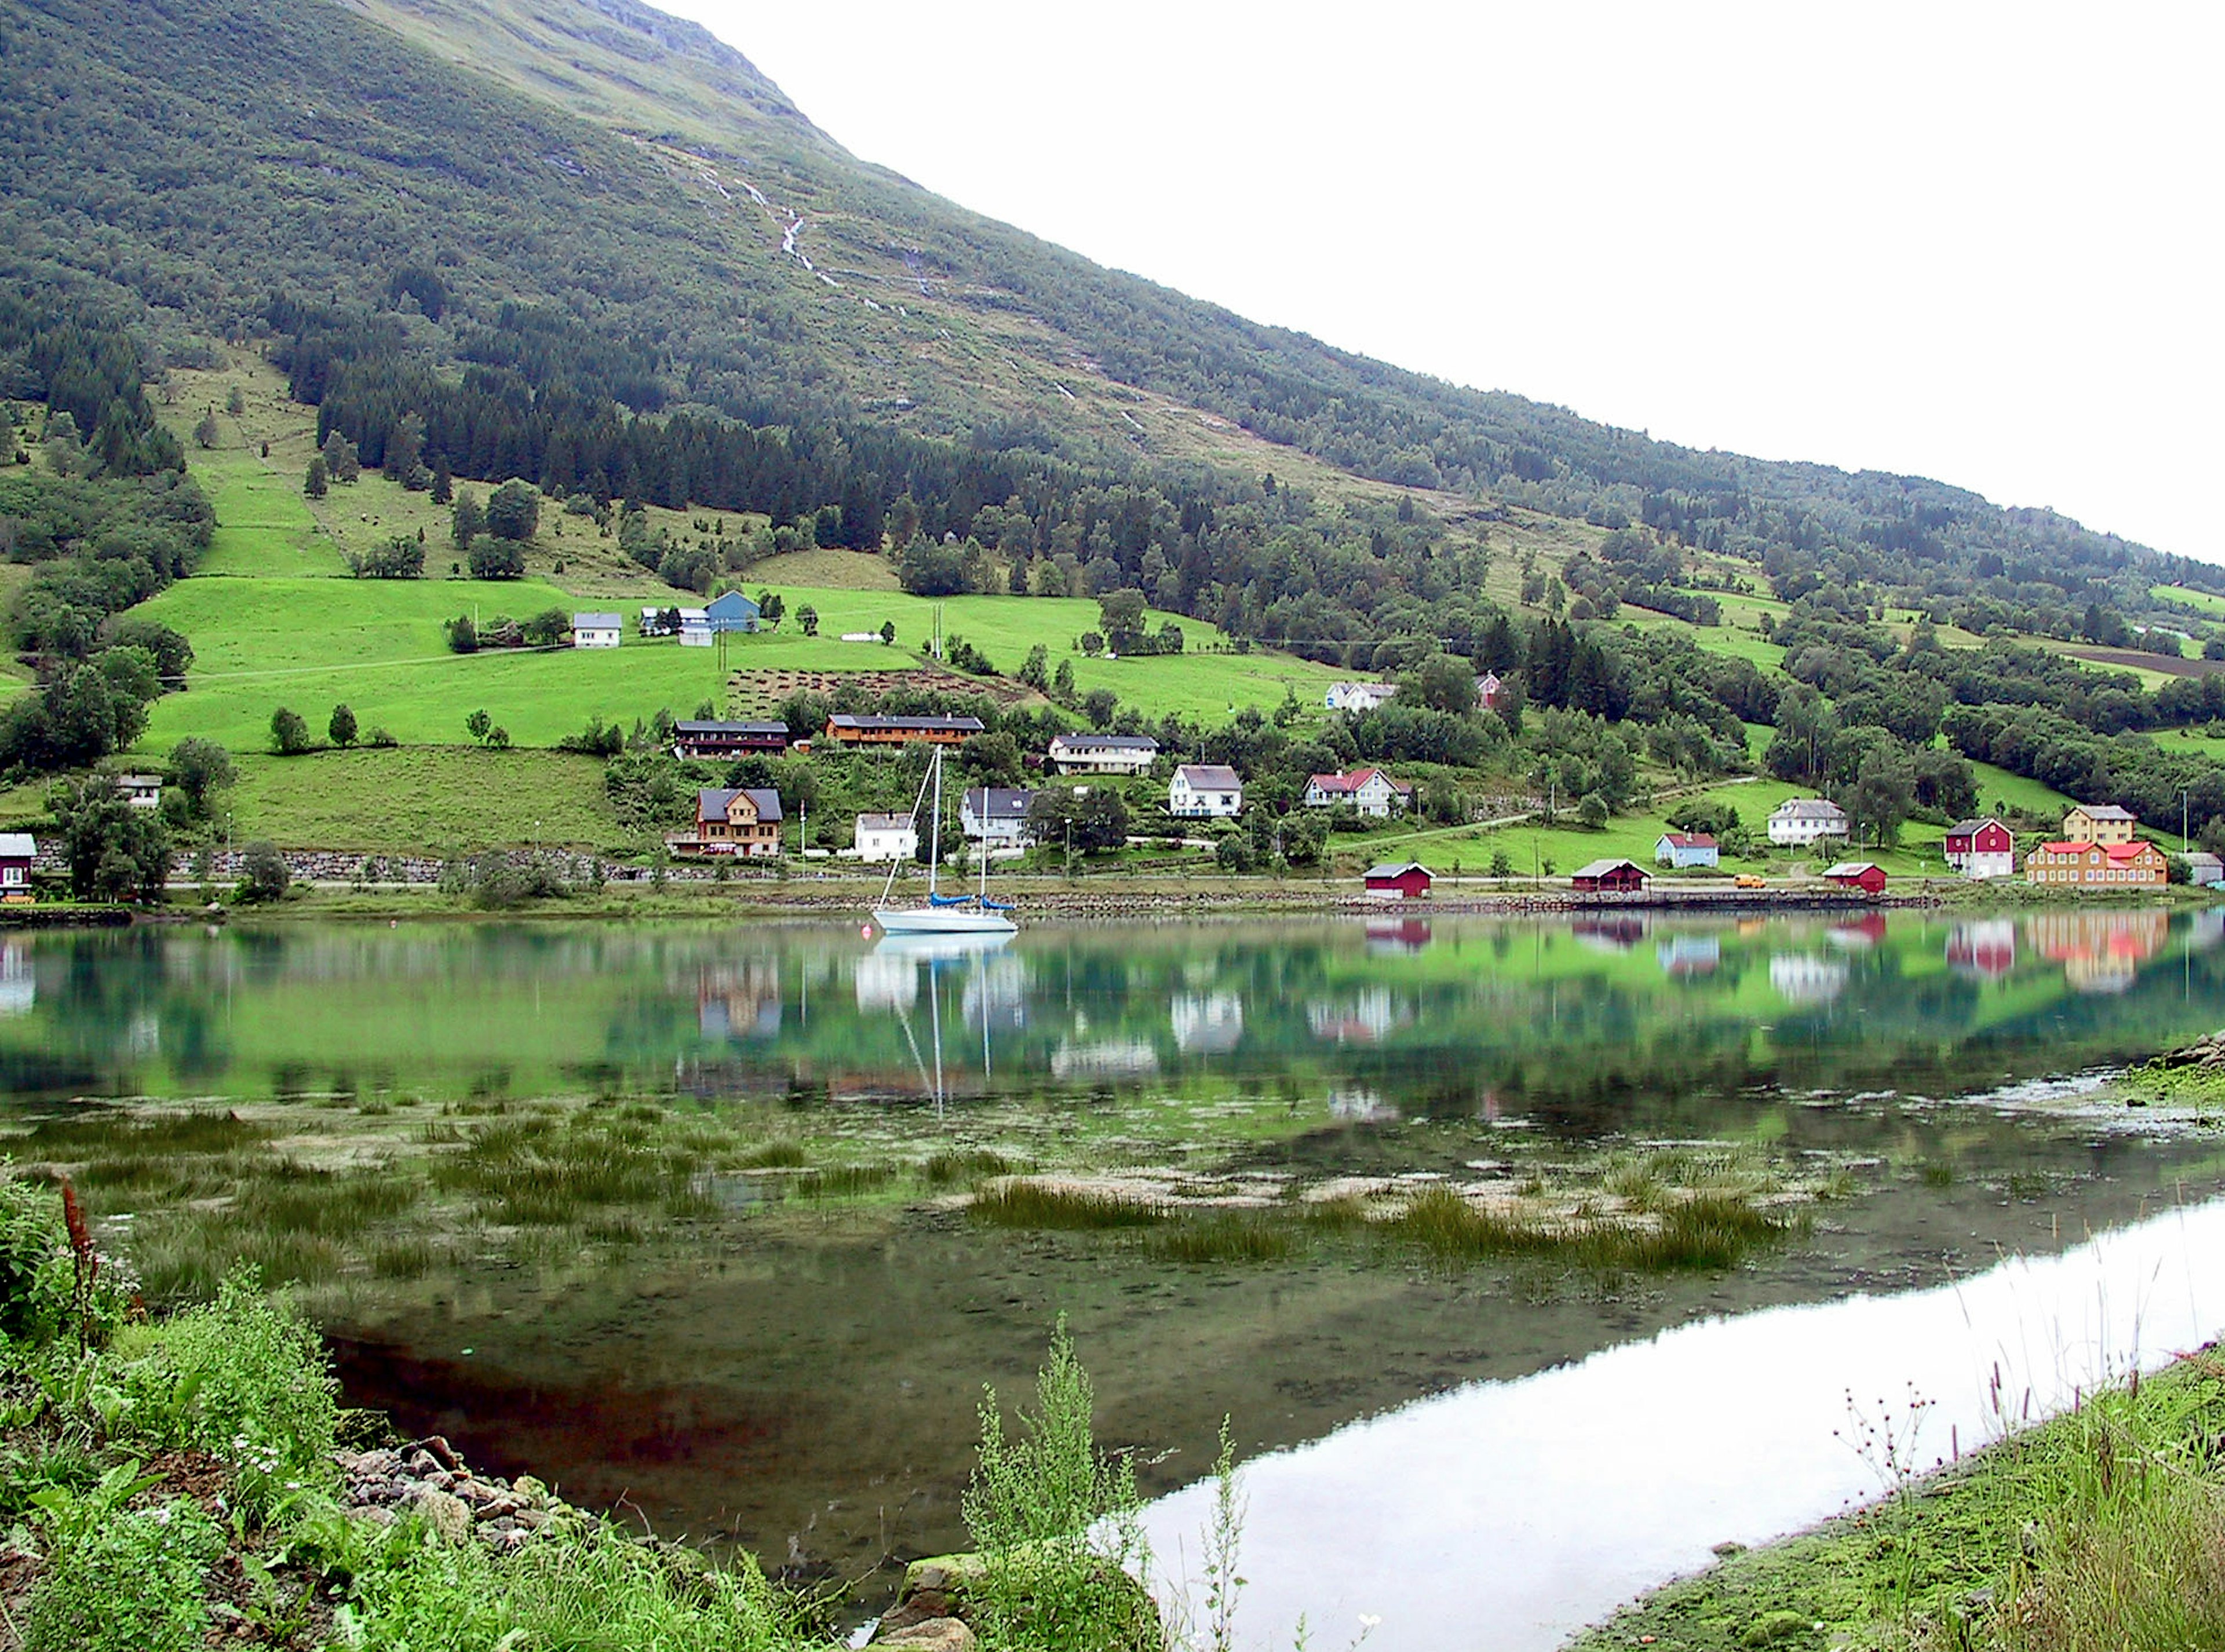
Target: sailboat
<point>943,915</point>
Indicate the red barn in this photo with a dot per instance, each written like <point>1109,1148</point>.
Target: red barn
<point>1982,848</point>
<point>1863,874</point>
<point>1611,877</point>
<point>1409,881</point>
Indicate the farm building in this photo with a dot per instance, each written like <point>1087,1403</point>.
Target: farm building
<point>17,851</point>
<point>1102,754</point>
<point>1398,880</point>
<point>710,741</point>
<point>2204,870</point>
<point>1806,820</point>
<point>1611,877</point>
<point>660,622</point>
<point>886,836</point>
<point>1487,687</point>
<point>902,730</point>
<point>996,816</point>
<point>2083,864</point>
<point>730,820</point>
<point>1981,849</point>
<point>596,630</point>
<point>1864,874</point>
<point>695,627</point>
<point>1684,849</point>
<point>1369,790</point>
<point>732,611</point>
<point>2098,823</point>
<point>1205,790</point>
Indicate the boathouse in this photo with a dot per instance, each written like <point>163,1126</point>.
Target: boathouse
<point>1398,880</point>
<point>1610,877</point>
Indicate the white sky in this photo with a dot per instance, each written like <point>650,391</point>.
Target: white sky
<point>1972,242</point>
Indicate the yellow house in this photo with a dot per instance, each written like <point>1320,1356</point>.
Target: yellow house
<point>2097,865</point>
<point>732,820</point>
<point>2098,823</point>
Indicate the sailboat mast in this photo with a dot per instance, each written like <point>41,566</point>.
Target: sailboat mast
<point>934,842</point>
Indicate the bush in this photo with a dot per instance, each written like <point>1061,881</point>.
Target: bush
<point>263,874</point>
<point>243,1379</point>
<point>401,558</point>
<point>463,635</point>
<point>289,732</point>
<point>513,512</point>
<point>491,557</point>
<point>125,1581</point>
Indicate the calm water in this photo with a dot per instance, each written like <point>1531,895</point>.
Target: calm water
<point>807,1386</point>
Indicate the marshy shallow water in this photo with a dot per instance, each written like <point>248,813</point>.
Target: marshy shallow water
<point>675,1216</point>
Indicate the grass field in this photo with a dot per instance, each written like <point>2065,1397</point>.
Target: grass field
<point>435,798</point>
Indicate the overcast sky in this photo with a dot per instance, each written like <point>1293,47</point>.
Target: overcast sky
<point>1975,243</point>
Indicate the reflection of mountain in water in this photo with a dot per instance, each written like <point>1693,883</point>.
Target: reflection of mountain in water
<point>1207,1023</point>
<point>1986,948</point>
<point>2099,952</point>
<point>1802,978</point>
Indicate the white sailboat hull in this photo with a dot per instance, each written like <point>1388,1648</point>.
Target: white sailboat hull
<point>941,920</point>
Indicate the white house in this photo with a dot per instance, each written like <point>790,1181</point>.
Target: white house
<point>1806,820</point>
<point>995,816</point>
<point>596,630</point>
<point>1683,849</point>
<point>694,629</point>
<point>140,791</point>
<point>887,837</point>
<point>1103,754</point>
<point>1205,791</point>
<point>1369,790</point>
<point>1357,697</point>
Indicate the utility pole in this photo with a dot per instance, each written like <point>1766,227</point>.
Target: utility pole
<point>2183,845</point>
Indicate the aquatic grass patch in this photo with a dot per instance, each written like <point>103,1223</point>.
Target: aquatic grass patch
<point>782,1153</point>
<point>950,1166</point>
<point>1225,1236</point>
<point>844,1182</point>
<point>1704,1230</point>
<point>1025,1204</point>
<point>293,1198</point>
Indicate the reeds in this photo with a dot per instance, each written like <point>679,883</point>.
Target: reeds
<point>1026,1204</point>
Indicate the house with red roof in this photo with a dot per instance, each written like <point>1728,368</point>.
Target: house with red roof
<point>2085,865</point>
<point>1681,849</point>
<point>1368,790</point>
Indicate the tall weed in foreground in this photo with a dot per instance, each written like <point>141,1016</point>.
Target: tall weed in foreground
<point>1057,1525</point>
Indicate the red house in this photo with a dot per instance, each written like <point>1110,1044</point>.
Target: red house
<point>1611,877</point>
<point>1863,874</point>
<point>1982,848</point>
<point>1409,881</point>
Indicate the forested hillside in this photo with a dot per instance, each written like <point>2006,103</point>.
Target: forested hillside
<point>580,243</point>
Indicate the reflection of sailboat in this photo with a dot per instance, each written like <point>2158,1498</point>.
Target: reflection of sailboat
<point>943,915</point>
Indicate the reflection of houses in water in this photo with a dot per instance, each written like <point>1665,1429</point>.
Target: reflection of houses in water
<point>1108,1058</point>
<point>887,981</point>
<point>1985,948</point>
<point>1617,933</point>
<point>1397,934</point>
<point>1691,954</point>
<point>1207,1023</point>
<point>1368,1018</point>
<point>1361,1107</point>
<point>19,990</point>
<point>1802,978</point>
<point>740,1000</point>
<point>996,993</point>
<point>2099,952</point>
<point>1858,935</point>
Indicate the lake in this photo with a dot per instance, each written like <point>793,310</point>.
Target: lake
<point>759,1312</point>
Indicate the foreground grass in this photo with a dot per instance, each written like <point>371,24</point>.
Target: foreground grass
<point>2100,1531</point>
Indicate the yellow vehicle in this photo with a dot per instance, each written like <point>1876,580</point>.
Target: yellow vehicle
<point>1749,881</point>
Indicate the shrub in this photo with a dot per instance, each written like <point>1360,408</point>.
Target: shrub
<point>243,1379</point>
<point>491,557</point>
<point>289,732</point>
<point>401,557</point>
<point>513,513</point>
<point>125,1581</point>
<point>263,874</point>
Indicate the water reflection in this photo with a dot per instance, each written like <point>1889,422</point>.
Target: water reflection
<point>1431,1013</point>
<point>1505,1515</point>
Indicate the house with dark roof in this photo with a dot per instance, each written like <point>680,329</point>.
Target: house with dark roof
<point>1981,849</point>
<point>995,816</point>
<point>18,850</point>
<point>709,741</point>
<point>2098,823</point>
<point>1610,877</point>
<point>845,729</point>
<point>743,821</point>
<point>1802,820</point>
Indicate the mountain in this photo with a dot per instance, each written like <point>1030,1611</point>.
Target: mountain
<point>594,198</point>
